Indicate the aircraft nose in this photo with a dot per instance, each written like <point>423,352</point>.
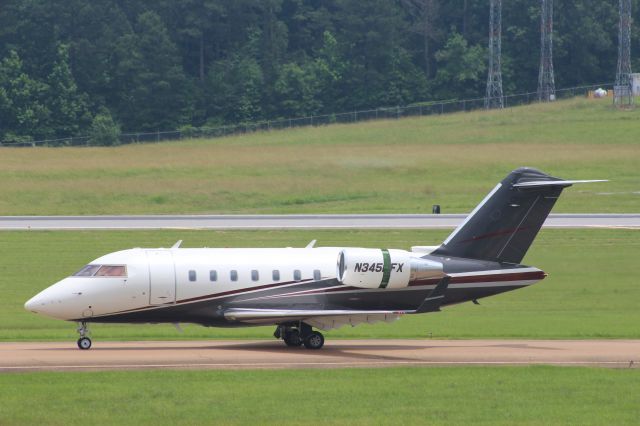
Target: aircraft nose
<point>52,302</point>
<point>34,304</point>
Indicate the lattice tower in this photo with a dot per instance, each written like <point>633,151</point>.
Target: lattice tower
<point>623,90</point>
<point>494,98</point>
<point>546,83</point>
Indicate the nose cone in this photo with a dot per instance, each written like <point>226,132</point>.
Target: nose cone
<point>42,303</point>
<point>32,304</point>
<point>52,302</point>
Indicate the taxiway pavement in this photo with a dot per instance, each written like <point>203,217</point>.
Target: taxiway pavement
<point>261,354</point>
<point>338,221</point>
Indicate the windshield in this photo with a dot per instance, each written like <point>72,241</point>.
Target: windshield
<point>102,271</point>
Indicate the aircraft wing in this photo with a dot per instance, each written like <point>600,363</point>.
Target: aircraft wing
<point>323,319</point>
<point>329,319</point>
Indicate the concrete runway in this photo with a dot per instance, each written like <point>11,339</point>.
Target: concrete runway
<point>341,221</point>
<point>261,354</point>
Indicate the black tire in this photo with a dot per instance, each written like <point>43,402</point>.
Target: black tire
<point>84,343</point>
<point>292,338</point>
<point>314,340</point>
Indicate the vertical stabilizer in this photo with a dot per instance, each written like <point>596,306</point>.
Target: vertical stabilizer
<point>503,226</point>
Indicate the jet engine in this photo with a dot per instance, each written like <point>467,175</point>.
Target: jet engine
<point>382,268</point>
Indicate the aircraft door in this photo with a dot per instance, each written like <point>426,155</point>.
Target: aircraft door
<point>162,277</point>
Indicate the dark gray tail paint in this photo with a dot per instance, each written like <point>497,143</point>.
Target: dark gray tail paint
<point>505,223</point>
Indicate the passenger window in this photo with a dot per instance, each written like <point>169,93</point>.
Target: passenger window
<point>317,275</point>
<point>192,275</point>
<point>234,275</point>
<point>213,275</point>
<point>297,276</point>
<point>275,275</point>
<point>254,275</point>
<point>112,271</point>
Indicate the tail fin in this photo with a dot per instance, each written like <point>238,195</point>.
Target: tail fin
<point>503,226</point>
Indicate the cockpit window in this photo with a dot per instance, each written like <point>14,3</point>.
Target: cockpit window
<point>87,271</point>
<point>102,271</point>
<point>112,271</point>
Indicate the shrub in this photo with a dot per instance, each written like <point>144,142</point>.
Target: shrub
<point>104,131</point>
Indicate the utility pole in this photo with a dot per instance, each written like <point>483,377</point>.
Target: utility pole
<point>546,83</point>
<point>623,95</point>
<point>494,98</point>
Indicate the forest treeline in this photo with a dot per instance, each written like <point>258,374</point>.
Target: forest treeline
<point>73,67</point>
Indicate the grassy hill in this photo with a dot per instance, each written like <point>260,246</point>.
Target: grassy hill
<point>401,166</point>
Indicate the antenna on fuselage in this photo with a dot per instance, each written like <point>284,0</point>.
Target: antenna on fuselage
<point>177,244</point>
<point>311,244</point>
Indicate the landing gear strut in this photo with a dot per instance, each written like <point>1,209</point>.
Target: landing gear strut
<point>299,334</point>
<point>84,342</point>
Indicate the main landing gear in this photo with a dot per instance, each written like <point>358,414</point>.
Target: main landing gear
<point>299,334</point>
<point>84,342</point>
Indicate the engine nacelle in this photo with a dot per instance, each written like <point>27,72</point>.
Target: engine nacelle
<point>382,268</point>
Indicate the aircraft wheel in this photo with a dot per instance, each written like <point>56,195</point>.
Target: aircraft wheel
<point>84,343</point>
<point>314,340</point>
<point>292,338</point>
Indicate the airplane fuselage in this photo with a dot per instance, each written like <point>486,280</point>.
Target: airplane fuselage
<point>199,285</point>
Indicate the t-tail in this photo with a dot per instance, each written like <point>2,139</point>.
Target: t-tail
<point>503,226</point>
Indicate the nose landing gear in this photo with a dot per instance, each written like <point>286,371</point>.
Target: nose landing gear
<point>299,334</point>
<point>84,342</point>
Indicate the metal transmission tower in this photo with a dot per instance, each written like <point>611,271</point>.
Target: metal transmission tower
<point>494,98</point>
<point>546,84</point>
<point>622,90</point>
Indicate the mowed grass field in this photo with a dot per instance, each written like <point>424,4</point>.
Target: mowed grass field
<point>396,166</point>
<point>592,290</point>
<point>471,395</point>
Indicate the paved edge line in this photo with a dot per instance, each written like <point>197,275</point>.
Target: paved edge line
<point>265,365</point>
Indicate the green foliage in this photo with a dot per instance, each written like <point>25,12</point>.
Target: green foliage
<point>160,65</point>
<point>156,95</point>
<point>69,108</point>
<point>461,68</point>
<point>297,89</point>
<point>234,89</point>
<point>22,103</point>
<point>104,131</point>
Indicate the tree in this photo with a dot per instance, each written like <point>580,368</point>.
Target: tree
<point>370,35</point>
<point>104,131</point>
<point>24,115</point>
<point>68,107</point>
<point>297,89</point>
<point>329,67</point>
<point>154,92</point>
<point>424,15</point>
<point>234,90</point>
<point>461,69</point>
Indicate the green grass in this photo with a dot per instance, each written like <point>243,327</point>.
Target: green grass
<point>592,290</point>
<point>401,166</point>
<point>508,395</point>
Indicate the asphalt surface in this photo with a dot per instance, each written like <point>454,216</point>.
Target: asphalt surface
<point>367,221</point>
<point>260,354</point>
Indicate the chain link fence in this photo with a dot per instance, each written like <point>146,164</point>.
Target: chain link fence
<point>418,109</point>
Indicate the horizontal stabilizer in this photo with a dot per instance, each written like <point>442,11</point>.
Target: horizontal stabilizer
<point>562,183</point>
<point>433,301</point>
